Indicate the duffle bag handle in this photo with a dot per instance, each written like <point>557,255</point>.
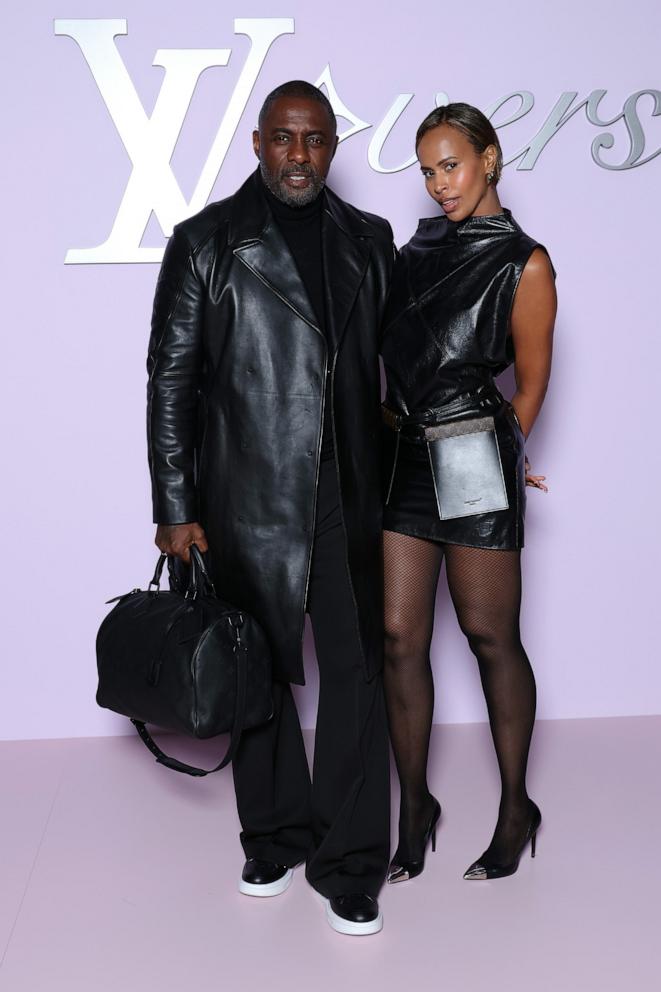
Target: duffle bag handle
<point>156,579</point>
<point>199,580</point>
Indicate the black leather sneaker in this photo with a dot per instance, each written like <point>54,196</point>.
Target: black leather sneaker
<point>264,878</point>
<point>355,914</point>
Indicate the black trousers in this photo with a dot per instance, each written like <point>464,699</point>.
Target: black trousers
<point>338,822</point>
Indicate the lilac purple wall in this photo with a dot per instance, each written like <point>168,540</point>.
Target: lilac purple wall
<point>76,495</point>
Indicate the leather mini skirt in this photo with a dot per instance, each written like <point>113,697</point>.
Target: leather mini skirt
<point>410,493</point>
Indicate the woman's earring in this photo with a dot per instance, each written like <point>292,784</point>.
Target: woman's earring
<point>490,177</point>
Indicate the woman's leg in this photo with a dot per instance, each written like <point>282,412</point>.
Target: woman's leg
<point>411,570</point>
<point>485,586</point>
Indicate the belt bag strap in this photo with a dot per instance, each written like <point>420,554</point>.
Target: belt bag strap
<point>470,406</point>
<point>457,428</point>
<point>235,736</point>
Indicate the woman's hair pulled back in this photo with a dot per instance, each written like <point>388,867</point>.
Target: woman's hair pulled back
<point>470,121</point>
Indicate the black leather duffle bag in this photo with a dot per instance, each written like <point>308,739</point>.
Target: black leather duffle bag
<point>184,660</point>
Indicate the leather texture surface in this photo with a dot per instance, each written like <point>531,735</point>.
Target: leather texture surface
<point>412,506</point>
<point>446,337</point>
<point>237,385</point>
<point>446,331</point>
<point>170,660</point>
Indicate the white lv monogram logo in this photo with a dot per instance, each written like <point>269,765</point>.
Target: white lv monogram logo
<point>150,141</point>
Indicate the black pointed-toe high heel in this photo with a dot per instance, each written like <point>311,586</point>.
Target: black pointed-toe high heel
<point>401,869</point>
<point>483,868</point>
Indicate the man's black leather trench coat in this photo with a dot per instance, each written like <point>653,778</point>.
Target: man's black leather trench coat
<point>238,377</point>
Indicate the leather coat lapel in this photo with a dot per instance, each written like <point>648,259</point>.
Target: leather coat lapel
<point>257,242</point>
<point>347,244</point>
<point>346,250</point>
<point>272,262</point>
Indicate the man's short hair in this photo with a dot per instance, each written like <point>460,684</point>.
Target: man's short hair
<point>301,89</point>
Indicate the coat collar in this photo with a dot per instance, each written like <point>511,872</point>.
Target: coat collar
<point>255,239</point>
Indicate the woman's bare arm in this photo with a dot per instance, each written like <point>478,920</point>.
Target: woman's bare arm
<point>533,318</point>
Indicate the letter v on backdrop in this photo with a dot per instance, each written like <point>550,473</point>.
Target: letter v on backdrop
<point>150,141</point>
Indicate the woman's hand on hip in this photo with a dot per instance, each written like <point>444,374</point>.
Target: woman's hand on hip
<point>536,481</point>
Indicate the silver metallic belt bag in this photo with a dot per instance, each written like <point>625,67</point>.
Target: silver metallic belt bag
<point>466,466</point>
<point>465,463</point>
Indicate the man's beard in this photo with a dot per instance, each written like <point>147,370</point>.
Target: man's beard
<point>286,194</point>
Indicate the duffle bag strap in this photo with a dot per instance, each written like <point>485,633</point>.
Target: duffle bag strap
<point>162,758</point>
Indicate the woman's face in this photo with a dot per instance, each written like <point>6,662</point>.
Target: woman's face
<point>456,174</point>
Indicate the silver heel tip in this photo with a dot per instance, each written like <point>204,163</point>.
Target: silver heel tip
<point>399,875</point>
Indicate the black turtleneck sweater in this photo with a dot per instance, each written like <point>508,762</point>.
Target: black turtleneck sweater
<point>301,229</point>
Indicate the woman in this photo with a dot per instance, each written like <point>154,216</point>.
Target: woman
<point>472,293</point>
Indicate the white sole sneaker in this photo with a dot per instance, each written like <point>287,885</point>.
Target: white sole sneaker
<point>270,889</point>
<point>340,925</point>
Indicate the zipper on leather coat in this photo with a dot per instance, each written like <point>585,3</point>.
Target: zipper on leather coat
<point>316,484</point>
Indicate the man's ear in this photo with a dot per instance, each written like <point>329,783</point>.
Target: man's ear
<point>255,142</point>
<point>337,141</point>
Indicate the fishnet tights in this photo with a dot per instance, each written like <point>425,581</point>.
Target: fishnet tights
<point>485,586</point>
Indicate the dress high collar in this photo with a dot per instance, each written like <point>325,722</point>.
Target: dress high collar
<point>438,232</point>
<point>502,222</point>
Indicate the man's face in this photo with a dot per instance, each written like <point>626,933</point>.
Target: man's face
<point>295,146</point>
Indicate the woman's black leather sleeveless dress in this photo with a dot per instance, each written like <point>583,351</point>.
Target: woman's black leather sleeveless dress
<point>446,336</point>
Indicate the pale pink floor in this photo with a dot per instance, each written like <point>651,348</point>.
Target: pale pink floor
<point>120,876</point>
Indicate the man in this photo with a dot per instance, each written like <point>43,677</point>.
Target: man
<point>263,430</point>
